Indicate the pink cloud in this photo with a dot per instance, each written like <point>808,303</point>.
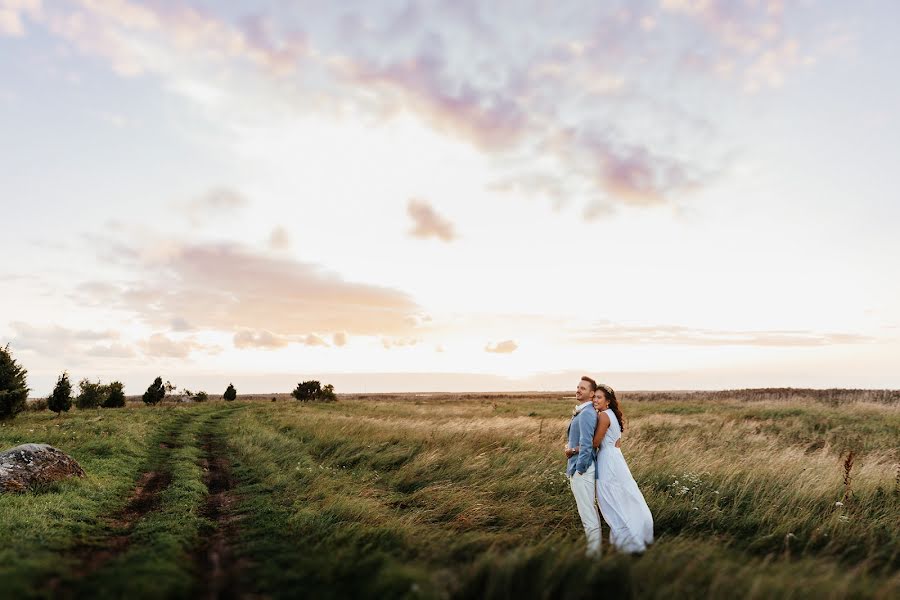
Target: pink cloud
<point>491,119</point>
<point>314,340</point>
<point>504,347</point>
<point>389,343</point>
<point>427,223</point>
<point>226,287</point>
<point>159,345</point>
<point>279,239</point>
<point>259,339</point>
<point>137,38</point>
<point>11,13</point>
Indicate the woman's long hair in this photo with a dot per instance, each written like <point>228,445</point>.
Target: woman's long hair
<point>610,396</point>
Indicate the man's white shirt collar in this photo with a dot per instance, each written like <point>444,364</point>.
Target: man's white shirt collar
<point>581,407</point>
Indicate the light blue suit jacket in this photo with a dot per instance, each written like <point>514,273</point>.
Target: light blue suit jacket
<point>581,433</point>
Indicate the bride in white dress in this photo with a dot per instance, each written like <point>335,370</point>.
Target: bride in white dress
<point>621,503</point>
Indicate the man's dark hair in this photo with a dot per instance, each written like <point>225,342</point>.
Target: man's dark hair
<point>590,381</point>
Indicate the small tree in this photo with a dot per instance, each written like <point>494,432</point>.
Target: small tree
<point>230,393</point>
<point>115,395</point>
<point>13,389</point>
<point>201,396</point>
<point>61,399</point>
<point>92,395</point>
<point>327,394</point>
<point>307,391</point>
<point>155,393</point>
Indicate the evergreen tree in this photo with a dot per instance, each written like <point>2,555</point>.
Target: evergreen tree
<point>13,390</point>
<point>92,394</point>
<point>61,399</point>
<point>230,393</point>
<point>115,395</point>
<point>155,393</point>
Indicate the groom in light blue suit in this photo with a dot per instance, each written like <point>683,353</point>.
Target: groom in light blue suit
<point>580,467</point>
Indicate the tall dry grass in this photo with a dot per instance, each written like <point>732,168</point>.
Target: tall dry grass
<point>450,496</point>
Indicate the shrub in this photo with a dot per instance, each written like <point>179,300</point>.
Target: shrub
<point>13,389</point>
<point>92,394</point>
<point>61,399</point>
<point>307,391</point>
<point>230,393</point>
<point>115,395</point>
<point>201,397</point>
<point>155,393</point>
<point>39,405</point>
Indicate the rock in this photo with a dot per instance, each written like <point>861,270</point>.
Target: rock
<point>35,464</point>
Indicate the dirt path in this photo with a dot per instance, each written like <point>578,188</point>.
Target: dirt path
<point>144,499</point>
<point>219,571</point>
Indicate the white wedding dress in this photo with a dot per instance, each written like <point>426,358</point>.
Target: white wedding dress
<point>621,503</point>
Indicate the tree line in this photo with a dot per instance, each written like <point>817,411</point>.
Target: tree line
<point>95,394</point>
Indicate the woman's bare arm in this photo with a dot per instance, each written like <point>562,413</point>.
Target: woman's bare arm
<point>602,426</point>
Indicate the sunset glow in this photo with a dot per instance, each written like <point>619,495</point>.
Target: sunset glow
<point>442,196</point>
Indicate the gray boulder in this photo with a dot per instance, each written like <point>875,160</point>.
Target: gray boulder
<point>35,464</point>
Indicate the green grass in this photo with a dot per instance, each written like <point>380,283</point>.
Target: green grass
<point>452,497</point>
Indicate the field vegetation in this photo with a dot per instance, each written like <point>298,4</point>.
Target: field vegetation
<point>755,494</point>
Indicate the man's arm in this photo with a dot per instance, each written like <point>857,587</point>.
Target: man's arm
<point>587,425</point>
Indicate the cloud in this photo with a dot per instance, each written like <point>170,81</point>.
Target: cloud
<point>111,351</point>
<point>11,12</point>
<point>491,119</point>
<point>180,325</point>
<point>612,333</point>
<point>279,239</point>
<point>587,106</point>
<point>57,341</point>
<point>138,38</point>
<point>228,287</point>
<point>159,345</point>
<point>751,43</point>
<point>339,339</point>
<point>399,342</point>
<point>270,341</point>
<point>634,175</point>
<point>504,347</point>
<point>214,203</point>
<point>427,223</point>
<point>314,340</point>
<point>259,339</point>
<point>533,184</point>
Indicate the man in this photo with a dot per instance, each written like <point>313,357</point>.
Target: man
<point>580,467</point>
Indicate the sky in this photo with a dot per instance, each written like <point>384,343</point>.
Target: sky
<point>451,195</point>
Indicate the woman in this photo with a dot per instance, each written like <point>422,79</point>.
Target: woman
<point>621,503</point>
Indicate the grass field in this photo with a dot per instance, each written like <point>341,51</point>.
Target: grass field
<point>450,496</point>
